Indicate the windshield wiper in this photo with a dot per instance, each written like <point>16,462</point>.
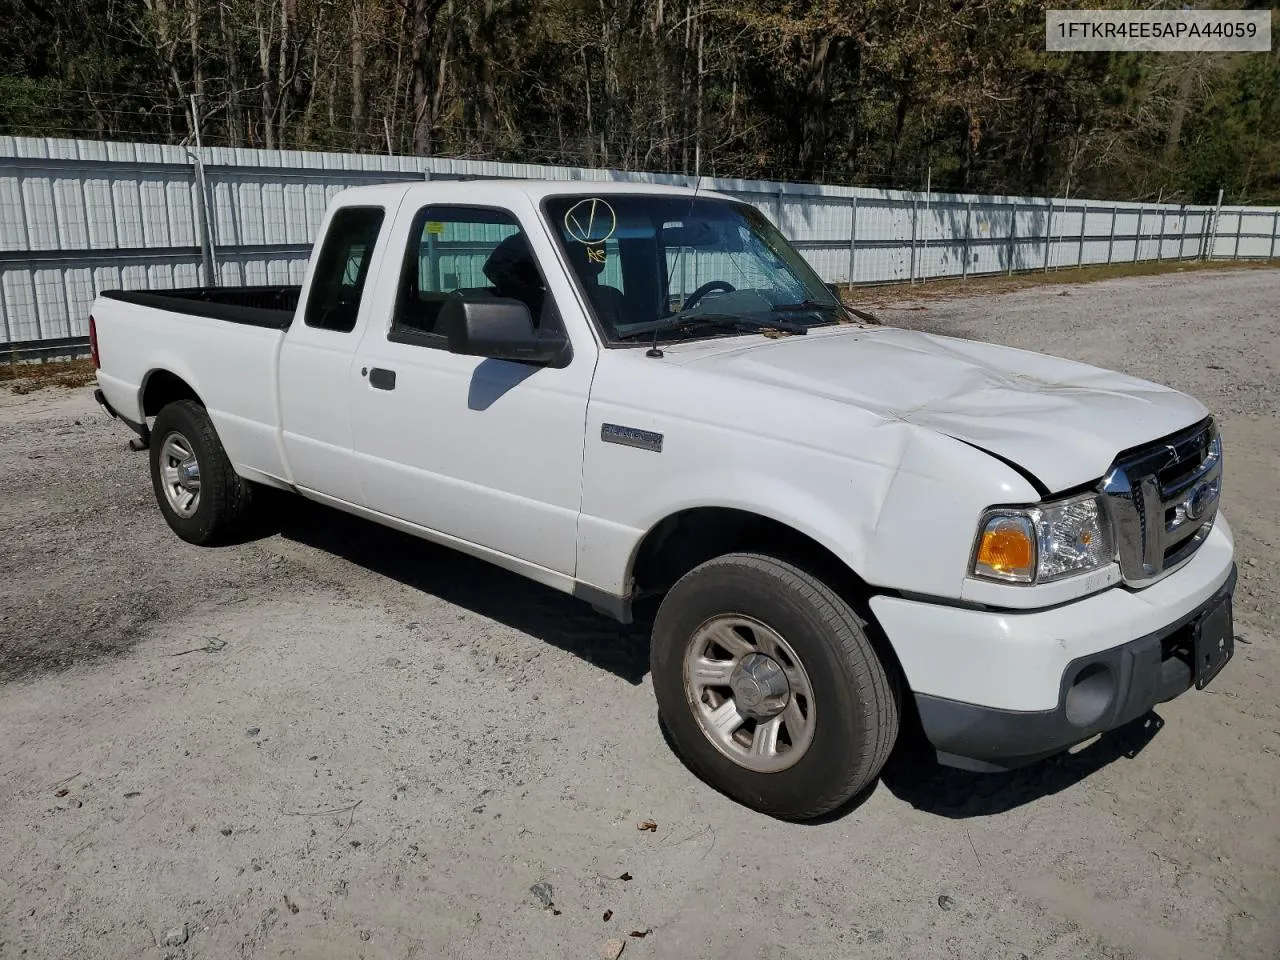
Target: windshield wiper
<point>713,320</point>
<point>804,306</point>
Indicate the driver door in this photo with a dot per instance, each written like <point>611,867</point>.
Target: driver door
<point>483,451</point>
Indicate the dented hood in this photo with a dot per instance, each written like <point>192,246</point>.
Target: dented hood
<point>1061,421</point>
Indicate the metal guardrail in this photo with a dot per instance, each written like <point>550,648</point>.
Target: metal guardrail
<point>62,348</point>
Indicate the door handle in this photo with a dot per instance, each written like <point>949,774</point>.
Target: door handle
<point>382,379</point>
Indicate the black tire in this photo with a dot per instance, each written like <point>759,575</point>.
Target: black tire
<point>224,508</point>
<point>857,710</point>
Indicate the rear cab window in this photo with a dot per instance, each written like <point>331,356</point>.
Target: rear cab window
<point>342,268</point>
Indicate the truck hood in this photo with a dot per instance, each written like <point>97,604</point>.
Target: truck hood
<point>1062,422</point>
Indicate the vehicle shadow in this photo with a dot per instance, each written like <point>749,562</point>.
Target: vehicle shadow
<point>520,603</point>
<point>914,776</point>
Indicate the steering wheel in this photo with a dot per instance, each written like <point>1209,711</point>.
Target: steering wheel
<point>709,287</point>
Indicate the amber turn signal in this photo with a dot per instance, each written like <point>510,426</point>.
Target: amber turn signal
<point>1007,549</point>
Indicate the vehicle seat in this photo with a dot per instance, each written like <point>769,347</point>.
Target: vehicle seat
<point>418,310</point>
<point>610,303</point>
<point>514,273</point>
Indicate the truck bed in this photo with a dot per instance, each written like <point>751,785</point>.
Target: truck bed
<point>222,343</point>
<point>268,306</point>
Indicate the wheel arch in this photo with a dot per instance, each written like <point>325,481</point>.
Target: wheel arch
<point>685,538</point>
<point>162,386</point>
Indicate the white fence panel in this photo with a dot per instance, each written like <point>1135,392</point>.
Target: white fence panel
<point>77,217</point>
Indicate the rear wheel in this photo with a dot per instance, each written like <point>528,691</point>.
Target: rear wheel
<point>199,493</point>
<point>769,687</point>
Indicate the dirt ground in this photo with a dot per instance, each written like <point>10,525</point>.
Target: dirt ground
<point>336,741</point>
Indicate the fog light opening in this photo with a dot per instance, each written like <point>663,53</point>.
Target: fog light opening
<point>1090,695</point>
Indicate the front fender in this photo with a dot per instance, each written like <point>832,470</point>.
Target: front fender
<point>901,517</point>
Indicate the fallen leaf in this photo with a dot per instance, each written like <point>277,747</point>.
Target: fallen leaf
<point>293,907</point>
<point>625,877</point>
<point>608,915</point>
<point>612,949</point>
<point>641,934</point>
<point>647,825</point>
<point>61,793</point>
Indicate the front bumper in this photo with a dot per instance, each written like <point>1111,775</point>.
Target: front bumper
<point>1116,686</point>
<point>992,686</point>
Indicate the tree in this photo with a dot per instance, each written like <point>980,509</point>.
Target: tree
<point>956,93</point>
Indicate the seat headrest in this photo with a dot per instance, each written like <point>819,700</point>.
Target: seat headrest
<point>511,266</point>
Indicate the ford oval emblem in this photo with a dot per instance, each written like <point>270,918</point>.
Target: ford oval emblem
<point>1200,500</point>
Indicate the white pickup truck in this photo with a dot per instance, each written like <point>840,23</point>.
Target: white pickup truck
<point>631,392</point>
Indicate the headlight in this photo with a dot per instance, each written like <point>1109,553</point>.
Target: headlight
<point>1042,543</point>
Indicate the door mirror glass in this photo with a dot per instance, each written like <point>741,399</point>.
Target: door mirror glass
<point>479,325</point>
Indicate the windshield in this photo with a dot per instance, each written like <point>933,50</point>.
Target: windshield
<point>672,267</point>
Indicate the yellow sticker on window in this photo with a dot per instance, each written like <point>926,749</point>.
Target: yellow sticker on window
<point>435,227</point>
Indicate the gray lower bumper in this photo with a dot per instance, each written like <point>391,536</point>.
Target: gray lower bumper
<point>1099,692</point>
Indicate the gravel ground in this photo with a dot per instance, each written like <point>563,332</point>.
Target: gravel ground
<point>339,742</point>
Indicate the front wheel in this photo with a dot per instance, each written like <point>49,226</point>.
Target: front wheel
<point>199,493</point>
<point>769,688</point>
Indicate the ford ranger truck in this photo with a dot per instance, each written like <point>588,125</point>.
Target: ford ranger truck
<point>639,394</point>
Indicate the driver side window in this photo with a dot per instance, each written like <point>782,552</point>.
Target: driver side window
<point>479,252</point>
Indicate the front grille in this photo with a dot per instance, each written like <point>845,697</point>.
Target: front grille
<point>1162,499</point>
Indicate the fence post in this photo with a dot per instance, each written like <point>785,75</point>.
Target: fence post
<point>1013,235</point>
<point>1084,220</point>
<point>915,206</point>
<point>1239,229</point>
<point>1182,230</point>
<point>208,260</point>
<point>968,227</point>
<point>853,239</point>
<point>1160,244</point>
<point>1275,232</point>
<point>1048,237</point>
<point>778,216</point>
<point>1137,242</point>
<point>1111,240</point>
<point>925,229</point>
<point>1217,215</point>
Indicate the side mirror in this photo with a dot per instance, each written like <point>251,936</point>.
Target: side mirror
<point>499,328</point>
